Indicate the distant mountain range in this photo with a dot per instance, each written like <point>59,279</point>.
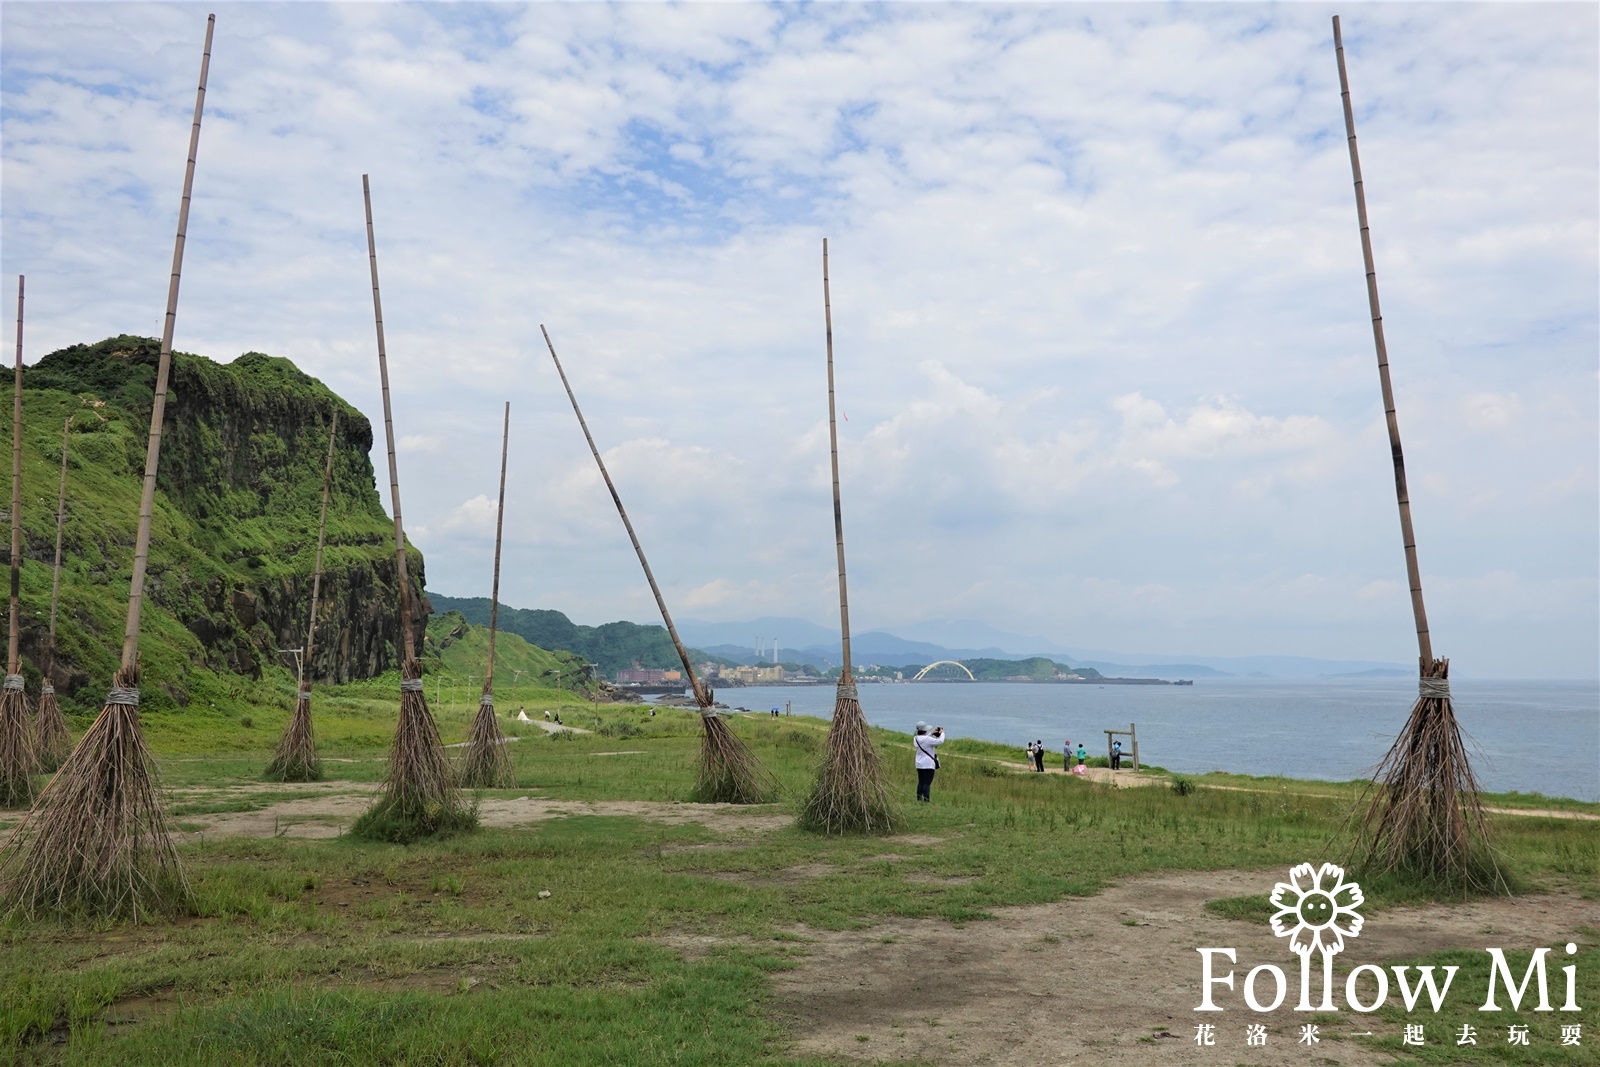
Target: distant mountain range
<point>800,641</point>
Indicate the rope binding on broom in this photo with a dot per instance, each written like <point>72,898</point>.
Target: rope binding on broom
<point>847,691</point>
<point>486,701</point>
<point>123,696</point>
<point>411,685</point>
<point>15,681</point>
<point>47,691</point>
<point>305,694</point>
<point>1433,688</point>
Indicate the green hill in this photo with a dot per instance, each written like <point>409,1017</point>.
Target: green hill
<point>462,649</point>
<point>614,645</point>
<point>234,531</point>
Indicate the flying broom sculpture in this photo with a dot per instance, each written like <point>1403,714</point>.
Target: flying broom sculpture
<point>96,840</point>
<point>52,742</point>
<point>18,760</point>
<point>486,764</point>
<point>850,794</point>
<point>1425,816</point>
<point>296,758</point>
<point>419,797</point>
<point>728,772</point>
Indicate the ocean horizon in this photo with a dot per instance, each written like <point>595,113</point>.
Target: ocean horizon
<point>1524,736</point>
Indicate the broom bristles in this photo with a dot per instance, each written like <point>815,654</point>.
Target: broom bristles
<point>419,797</point>
<point>96,842</point>
<point>728,772</point>
<point>52,741</point>
<point>296,758</point>
<point>1424,817</point>
<point>18,760</point>
<point>850,794</point>
<point>486,764</point>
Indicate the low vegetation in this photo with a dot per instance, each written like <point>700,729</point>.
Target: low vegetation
<point>338,950</point>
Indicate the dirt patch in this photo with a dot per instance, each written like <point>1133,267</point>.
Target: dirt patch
<point>796,875</point>
<point>1101,775</point>
<point>332,806</point>
<point>697,946</point>
<point>705,846</point>
<point>1069,982</point>
<point>724,818</point>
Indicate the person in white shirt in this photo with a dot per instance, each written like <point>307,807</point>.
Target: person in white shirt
<point>927,762</point>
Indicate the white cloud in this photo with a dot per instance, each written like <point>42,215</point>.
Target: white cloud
<point>1099,318</point>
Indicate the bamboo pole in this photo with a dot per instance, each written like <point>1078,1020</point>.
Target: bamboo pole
<point>97,838</point>
<point>1408,536</point>
<point>833,443</point>
<point>850,794</point>
<point>316,575</point>
<point>420,797</point>
<point>61,520</point>
<point>401,570</point>
<point>702,695</point>
<point>1425,814</point>
<point>499,524</point>
<point>12,657</point>
<point>141,551</point>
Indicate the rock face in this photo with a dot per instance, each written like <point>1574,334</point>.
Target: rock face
<point>235,531</point>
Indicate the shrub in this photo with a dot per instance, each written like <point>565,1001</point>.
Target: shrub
<point>1181,785</point>
<point>804,740</point>
<point>621,728</point>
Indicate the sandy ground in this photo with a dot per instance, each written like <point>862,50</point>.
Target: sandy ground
<point>1108,992</point>
<point>1109,979</point>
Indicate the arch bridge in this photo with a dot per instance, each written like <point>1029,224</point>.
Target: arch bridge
<point>942,663</point>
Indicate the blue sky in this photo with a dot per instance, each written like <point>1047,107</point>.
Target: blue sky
<point>1099,310</point>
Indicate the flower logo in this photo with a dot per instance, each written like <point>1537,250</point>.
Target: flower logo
<point>1316,909</point>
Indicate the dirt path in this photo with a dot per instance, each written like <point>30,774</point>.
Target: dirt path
<point>1107,992</point>
<point>330,807</point>
<point>1103,775</point>
<point>1532,813</point>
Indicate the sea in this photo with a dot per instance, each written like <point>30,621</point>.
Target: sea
<point>1524,736</point>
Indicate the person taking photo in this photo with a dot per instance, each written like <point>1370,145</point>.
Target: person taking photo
<point>927,760</point>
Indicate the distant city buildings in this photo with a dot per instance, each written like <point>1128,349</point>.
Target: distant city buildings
<point>745,675</point>
<point>647,676</point>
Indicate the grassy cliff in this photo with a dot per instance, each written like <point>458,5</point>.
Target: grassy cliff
<point>234,531</point>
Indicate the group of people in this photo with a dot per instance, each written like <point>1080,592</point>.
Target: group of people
<point>1035,752</point>
<point>927,740</point>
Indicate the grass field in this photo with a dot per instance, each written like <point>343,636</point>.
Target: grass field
<point>338,951</point>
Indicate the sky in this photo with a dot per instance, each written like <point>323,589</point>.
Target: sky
<point>1103,352</point>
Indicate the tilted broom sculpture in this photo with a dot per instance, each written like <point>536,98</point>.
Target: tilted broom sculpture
<point>850,794</point>
<point>96,840</point>
<point>728,772</point>
<point>18,759</point>
<point>419,797</point>
<point>1425,818</point>
<point>52,742</point>
<point>296,758</point>
<point>486,764</point>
